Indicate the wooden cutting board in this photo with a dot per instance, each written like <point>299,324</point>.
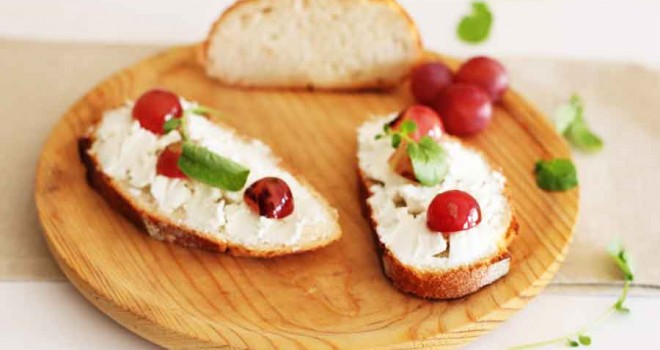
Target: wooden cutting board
<point>335,298</point>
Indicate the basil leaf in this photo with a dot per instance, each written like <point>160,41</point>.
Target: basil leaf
<point>556,174</point>
<point>570,122</point>
<point>429,161</point>
<point>475,27</point>
<point>171,124</point>
<point>205,166</point>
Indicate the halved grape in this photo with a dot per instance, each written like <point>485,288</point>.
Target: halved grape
<point>453,211</point>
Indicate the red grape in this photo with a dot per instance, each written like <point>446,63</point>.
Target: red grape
<point>453,211</point>
<point>168,162</point>
<point>485,73</point>
<point>270,197</point>
<point>428,79</point>
<point>427,121</point>
<point>153,108</point>
<point>465,109</point>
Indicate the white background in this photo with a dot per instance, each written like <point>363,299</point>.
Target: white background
<point>622,30</point>
<point>40,315</point>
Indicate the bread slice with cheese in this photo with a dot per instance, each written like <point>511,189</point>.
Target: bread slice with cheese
<point>121,157</point>
<point>426,263</point>
<point>322,44</point>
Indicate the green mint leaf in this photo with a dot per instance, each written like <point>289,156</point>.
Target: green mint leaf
<point>572,343</point>
<point>172,124</point>
<point>475,27</point>
<point>584,339</point>
<point>556,174</point>
<point>570,122</point>
<point>207,167</point>
<point>621,258</point>
<point>396,140</point>
<point>429,161</point>
<point>378,136</point>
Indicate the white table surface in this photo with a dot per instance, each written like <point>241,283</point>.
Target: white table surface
<point>52,315</point>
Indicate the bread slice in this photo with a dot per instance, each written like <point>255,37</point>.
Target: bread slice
<point>193,214</point>
<point>415,259</point>
<point>322,44</point>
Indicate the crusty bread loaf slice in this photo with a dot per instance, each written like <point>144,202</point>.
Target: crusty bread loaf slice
<point>193,214</point>
<point>415,259</point>
<point>323,44</point>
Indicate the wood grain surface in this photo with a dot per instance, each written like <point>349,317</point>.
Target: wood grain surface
<point>334,298</point>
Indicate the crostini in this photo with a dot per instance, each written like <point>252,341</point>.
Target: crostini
<point>185,179</point>
<point>440,212</point>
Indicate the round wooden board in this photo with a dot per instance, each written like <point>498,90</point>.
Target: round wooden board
<point>334,298</point>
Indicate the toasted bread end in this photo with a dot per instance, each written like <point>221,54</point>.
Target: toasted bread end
<point>226,71</point>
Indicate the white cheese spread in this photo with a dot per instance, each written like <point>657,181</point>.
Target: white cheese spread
<point>399,205</point>
<point>128,154</point>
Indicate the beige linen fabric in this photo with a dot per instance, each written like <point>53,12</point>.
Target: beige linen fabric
<point>38,82</point>
<point>620,186</point>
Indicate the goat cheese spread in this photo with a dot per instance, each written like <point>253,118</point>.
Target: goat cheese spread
<point>399,205</point>
<point>128,154</point>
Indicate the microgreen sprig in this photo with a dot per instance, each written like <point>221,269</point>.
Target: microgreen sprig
<point>176,123</point>
<point>428,158</point>
<point>622,259</point>
<point>403,133</point>
<point>203,110</point>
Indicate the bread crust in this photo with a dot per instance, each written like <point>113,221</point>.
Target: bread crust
<point>376,84</point>
<point>449,284</point>
<point>163,228</point>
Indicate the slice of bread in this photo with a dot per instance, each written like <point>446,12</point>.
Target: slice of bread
<point>322,44</point>
<point>120,158</point>
<point>426,263</point>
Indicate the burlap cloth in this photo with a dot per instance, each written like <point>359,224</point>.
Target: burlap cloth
<point>620,186</point>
